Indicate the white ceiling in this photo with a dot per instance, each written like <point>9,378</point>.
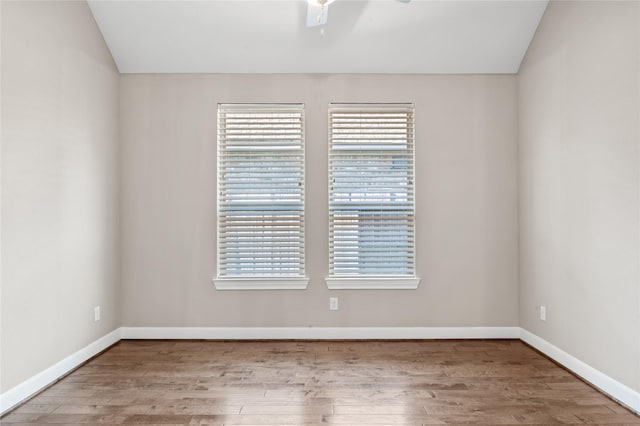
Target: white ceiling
<point>375,36</point>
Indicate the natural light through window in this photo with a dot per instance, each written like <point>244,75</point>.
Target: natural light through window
<point>371,196</point>
<point>260,196</point>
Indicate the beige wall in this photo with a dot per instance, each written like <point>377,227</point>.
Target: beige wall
<point>579,134</point>
<point>59,186</point>
<point>466,202</point>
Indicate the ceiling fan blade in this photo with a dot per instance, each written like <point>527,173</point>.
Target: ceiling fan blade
<point>316,15</point>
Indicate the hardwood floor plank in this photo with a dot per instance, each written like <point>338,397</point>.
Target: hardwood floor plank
<point>260,419</point>
<point>320,383</point>
<point>36,408</point>
<point>282,409</point>
<point>194,409</point>
<point>376,419</point>
<point>405,409</point>
<point>101,409</point>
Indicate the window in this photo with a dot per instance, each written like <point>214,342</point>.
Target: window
<point>371,196</point>
<point>260,196</point>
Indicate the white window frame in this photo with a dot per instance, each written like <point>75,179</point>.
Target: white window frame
<point>338,145</point>
<point>229,215</point>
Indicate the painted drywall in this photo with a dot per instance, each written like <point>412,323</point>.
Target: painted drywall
<point>579,171</point>
<point>59,186</point>
<point>466,184</point>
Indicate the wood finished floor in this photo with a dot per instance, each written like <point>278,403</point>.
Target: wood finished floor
<point>325,382</point>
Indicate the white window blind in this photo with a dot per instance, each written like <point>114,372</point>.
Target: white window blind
<point>371,190</point>
<point>260,190</point>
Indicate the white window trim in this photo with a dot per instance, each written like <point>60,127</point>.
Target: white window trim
<point>261,283</point>
<point>364,282</point>
<point>267,282</point>
<point>372,283</point>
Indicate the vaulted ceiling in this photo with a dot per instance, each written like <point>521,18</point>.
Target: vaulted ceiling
<point>374,36</point>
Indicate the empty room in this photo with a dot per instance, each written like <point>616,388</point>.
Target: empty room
<point>305,212</point>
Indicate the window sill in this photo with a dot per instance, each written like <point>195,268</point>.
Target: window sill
<point>372,283</point>
<point>284,283</point>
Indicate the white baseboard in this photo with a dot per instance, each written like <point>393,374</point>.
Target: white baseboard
<point>33,385</point>
<point>606,384</point>
<point>312,333</point>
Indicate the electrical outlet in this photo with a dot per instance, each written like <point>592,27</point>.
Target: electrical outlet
<point>96,313</point>
<point>543,313</point>
<point>333,303</point>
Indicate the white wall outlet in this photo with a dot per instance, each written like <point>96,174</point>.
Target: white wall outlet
<point>333,303</point>
<point>96,313</point>
<point>543,313</point>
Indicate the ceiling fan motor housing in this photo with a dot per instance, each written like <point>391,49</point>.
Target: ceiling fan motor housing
<point>320,2</point>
